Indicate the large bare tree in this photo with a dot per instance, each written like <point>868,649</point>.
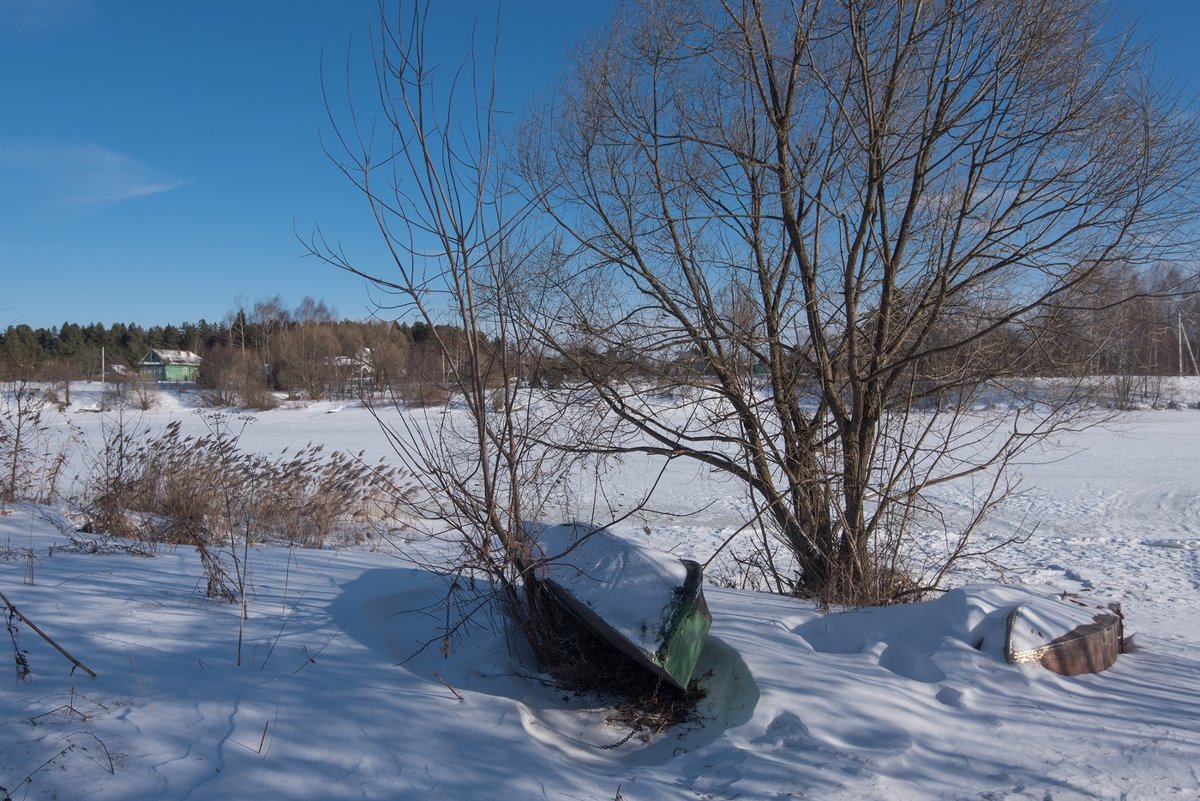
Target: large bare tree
<point>425,151</point>
<point>837,221</point>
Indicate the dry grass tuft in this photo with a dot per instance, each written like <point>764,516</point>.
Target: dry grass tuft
<point>199,490</point>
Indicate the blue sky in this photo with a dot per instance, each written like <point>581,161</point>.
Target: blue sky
<point>156,156</point>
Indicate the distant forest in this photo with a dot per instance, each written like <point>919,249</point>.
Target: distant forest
<point>256,352</point>
<point>247,356</point>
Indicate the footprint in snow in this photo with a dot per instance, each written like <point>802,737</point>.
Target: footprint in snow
<point>952,696</point>
<point>789,732</point>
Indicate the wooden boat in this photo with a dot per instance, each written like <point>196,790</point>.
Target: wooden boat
<point>1067,636</point>
<point>648,604</point>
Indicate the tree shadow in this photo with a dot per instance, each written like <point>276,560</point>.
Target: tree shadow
<point>404,615</point>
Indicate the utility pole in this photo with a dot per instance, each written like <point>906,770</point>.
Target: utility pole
<point>1183,340</point>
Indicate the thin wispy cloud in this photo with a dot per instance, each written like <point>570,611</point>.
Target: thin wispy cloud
<point>25,16</point>
<point>83,173</point>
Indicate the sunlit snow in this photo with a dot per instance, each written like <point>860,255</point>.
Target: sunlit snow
<point>345,690</point>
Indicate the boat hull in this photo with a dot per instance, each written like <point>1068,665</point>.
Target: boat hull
<point>648,605</point>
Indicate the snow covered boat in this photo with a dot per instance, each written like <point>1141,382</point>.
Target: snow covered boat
<point>1067,635</point>
<point>648,604</point>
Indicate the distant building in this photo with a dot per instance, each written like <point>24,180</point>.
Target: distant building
<point>170,365</point>
<point>356,373</point>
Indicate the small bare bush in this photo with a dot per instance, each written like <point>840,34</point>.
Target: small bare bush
<point>258,399</point>
<point>421,394</point>
<point>145,395</point>
<point>115,471</point>
<point>32,456</point>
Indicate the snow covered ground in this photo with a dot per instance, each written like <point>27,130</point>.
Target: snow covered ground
<point>335,697</point>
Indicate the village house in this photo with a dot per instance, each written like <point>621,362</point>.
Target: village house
<point>170,365</point>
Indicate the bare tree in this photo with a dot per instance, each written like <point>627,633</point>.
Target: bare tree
<point>431,169</point>
<point>270,319</point>
<point>390,352</point>
<point>305,359</point>
<point>849,217</point>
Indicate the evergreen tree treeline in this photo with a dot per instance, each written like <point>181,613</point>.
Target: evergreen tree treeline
<point>267,334</point>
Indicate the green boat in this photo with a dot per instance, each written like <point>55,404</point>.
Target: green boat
<point>647,603</point>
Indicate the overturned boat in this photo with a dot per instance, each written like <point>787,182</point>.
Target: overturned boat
<point>1067,635</point>
<point>646,603</point>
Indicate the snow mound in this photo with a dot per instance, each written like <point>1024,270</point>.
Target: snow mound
<point>910,640</point>
<point>1179,545</point>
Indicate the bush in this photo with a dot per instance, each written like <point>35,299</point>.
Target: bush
<point>230,379</point>
<point>146,395</point>
<point>31,457</point>
<point>203,490</point>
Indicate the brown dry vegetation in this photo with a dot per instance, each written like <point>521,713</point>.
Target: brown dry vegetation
<point>201,490</point>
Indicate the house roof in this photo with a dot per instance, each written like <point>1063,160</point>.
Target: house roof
<point>171,357</point>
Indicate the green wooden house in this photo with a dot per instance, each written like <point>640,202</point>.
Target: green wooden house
<point>170,365</point>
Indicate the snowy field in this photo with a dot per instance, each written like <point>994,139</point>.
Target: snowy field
<point>335,697</point>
